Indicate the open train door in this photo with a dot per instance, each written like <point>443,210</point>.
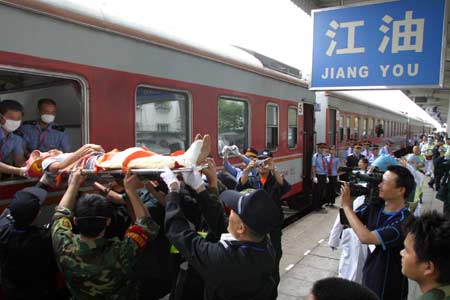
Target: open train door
<point>308,149</point>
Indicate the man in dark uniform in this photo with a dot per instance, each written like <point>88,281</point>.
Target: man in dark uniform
<point>26,256</point>
<point>353,159</point>
<point>276,186</point>
<point>44,134</point>
<point>226,264</point>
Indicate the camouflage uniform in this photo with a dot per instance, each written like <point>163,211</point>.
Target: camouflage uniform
<point>440,293</point>
<point>99,269</point>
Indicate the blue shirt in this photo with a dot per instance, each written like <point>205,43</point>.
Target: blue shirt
<point>319,162</point>
<point>382,269</point>
<point>334,166</point>
<point>237,172</point>
<point>384,161</point>
<point>10,145</point>
<point>44,139</point>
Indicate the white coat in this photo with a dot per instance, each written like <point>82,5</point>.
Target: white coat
<point>354,253</point>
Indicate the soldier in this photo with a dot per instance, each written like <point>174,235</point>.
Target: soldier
<point>319,176</point>
<point>425,255</point>
<point>11,144</point>
<point>93,266</point>
<point>44,134</point>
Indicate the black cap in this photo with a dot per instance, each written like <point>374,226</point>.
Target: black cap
<point>254,207</point>
<point>375,147</point>
<point>264,154</point>
<point>322,145</point>
<point>25,205</point>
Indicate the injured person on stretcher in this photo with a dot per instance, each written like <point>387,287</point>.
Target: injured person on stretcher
<point>91,158</point>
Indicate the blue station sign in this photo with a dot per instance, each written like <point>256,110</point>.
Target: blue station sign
<point>395,44</point>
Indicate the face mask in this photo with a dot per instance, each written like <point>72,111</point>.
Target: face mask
<point>11,125</point>
<point>47,118</point>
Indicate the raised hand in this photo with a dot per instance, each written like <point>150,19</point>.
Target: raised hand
<point>170,179</point>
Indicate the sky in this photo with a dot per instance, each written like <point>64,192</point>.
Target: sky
<point>275,28</point>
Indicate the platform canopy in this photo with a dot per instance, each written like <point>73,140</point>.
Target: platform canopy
<point>435,101</point>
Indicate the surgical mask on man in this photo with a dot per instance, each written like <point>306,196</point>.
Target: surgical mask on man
<point>11,125</point>
<point>47,118</point>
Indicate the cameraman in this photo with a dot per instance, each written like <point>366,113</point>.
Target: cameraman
<point>379,226</point>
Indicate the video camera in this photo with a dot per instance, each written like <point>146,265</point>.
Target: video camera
<point>362,183</point>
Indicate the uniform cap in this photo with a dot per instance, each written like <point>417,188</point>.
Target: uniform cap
<point>332,147</point>
<point>25,205</point>
<point>254,207</point>
<point>358,145</point>
<point>322,145</point>
<point>389,142</point>
<point>251,152</point>
<point>375,147</point>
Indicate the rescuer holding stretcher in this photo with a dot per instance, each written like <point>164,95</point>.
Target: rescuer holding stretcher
<point>224,265</point>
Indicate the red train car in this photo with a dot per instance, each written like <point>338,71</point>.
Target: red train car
<point>118,84</point>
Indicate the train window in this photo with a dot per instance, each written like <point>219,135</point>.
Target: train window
<point>233,123</point>
<point>271,126</point>
<point>347,125</point>
<point>161,120</point>
<point>292,127</point>
<point>341,128</point>
<point>365,128</point>
<point>27,88</point>
<point>357,125</point>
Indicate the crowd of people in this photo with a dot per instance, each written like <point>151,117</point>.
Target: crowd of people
<point>209,234</point>
<point>378,236</point>
<point>143,239</point>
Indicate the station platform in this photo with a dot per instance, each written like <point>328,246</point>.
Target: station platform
<point>308,258</point>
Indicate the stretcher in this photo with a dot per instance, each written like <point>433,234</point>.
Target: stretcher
<point>103,167</point>
<point>143,174</point>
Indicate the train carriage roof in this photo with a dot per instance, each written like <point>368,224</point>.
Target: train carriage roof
<point>392,100</point>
